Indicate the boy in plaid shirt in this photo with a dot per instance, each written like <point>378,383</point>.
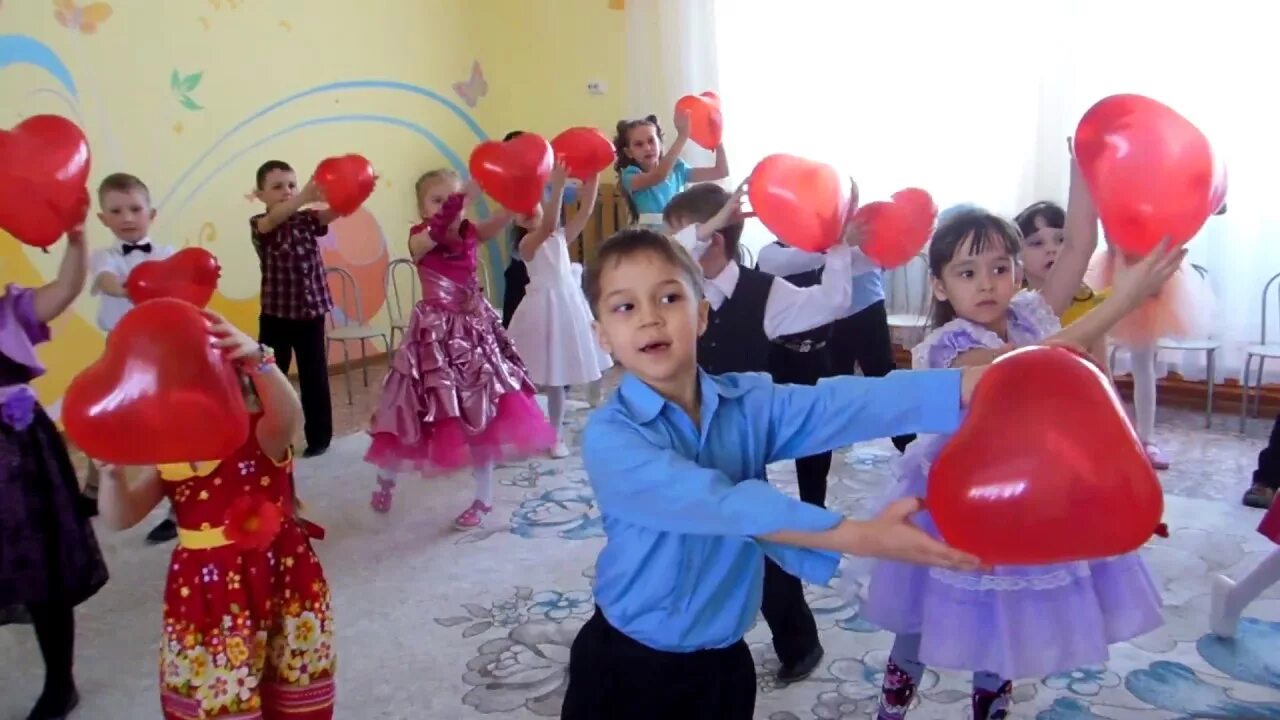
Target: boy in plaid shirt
<point>295,295</point>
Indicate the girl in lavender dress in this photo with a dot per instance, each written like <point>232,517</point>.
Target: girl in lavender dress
<point>49,557</point>
<point>1012,621</point>
<point>456,395</point>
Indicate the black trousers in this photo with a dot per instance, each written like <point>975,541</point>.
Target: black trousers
<point>1268,471</point>
<point>790,621</point>
<point>516,279</point>
<point>612,677</point>
<point>805,368</point>
<point>863,340</point>
<point>306,340</point>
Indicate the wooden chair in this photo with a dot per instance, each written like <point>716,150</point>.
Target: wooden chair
<point>343,329</point>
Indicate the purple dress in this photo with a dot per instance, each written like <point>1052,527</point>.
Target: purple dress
<point>48,552</point>
<point>1017,622</point>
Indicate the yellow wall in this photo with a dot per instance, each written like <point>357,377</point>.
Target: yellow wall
<point>297,80</point>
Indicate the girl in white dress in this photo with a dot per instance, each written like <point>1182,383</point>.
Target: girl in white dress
<point>551,328</point>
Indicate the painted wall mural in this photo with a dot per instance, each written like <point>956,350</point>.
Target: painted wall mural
<point>192,97</point>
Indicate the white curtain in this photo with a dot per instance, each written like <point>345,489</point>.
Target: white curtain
<point>974,101</point>
<point>671,52</point>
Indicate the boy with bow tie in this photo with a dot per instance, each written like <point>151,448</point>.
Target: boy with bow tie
<point>127,213</point>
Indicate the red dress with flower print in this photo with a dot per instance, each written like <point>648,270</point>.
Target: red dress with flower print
<point>248,633</point>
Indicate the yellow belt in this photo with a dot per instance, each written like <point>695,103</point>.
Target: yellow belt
<point>202,539</point>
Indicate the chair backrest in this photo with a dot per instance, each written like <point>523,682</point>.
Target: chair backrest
<point>398,273</point>
<point>1266,290</point>
<point>610,216</point>
<point>746,257</point>
<point>907,287</point>
<point>346,297</point>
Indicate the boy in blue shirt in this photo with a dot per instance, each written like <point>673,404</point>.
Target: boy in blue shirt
<point>674,459</point>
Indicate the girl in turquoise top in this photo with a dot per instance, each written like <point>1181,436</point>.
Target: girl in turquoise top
<point>649,177</point>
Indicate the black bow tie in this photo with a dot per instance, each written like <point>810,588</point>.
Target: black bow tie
<point>130,247</point>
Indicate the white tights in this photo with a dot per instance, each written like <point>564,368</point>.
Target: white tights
<point>482,474</point>
<point>1248,588</point>
<point>555,407</point>
<point>1143,366</point>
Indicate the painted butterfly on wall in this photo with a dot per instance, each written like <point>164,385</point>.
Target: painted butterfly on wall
<point>473,89</point>
<point>84,18</point>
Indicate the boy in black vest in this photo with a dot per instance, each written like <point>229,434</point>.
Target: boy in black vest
<point>751,312</point>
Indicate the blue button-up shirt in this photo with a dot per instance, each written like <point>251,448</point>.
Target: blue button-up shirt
<point>683,505</point>
<point>868,289</point>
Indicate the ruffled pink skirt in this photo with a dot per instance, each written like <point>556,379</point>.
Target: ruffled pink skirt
<point>1180,311</point>
<point>456,395</point>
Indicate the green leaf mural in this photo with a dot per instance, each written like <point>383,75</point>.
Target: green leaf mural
<point>183,85</point>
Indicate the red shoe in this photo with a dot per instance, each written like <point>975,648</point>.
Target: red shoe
<point>472,517</point>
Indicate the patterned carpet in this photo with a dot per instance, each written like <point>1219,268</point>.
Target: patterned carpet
<point>437,624</point>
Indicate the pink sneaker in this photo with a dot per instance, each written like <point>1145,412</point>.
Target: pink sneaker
<point>381,500</point>
<point>472,517</point>
<point>1157,458</point>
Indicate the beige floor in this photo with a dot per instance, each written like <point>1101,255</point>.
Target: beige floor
<point>437,624</point>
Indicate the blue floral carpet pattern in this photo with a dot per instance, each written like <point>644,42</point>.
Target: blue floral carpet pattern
<point>432,623</point>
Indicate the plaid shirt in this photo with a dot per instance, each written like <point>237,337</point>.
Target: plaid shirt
<point>293,281</point>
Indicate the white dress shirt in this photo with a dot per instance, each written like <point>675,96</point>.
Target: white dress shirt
<point>783,260</point>
<point>792,309</point>
<point>114,260</point>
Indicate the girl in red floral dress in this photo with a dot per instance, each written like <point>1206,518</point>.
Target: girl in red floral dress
<point>247,627</point>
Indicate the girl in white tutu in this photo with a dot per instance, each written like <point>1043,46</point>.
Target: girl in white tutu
<point>551,328</point>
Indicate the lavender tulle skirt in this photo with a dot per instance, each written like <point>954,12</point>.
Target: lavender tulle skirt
<point>457,394</point>
<point>1018,622</point>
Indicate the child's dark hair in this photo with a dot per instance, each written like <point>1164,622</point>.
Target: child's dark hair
<point>517,232</point>
<point>1050,214</point>
<point>979,228</point>
<point>269,167</point>
<point>698,204</point>
<point>635,241</point>
<point>122,182</point>
<point>623,160</point>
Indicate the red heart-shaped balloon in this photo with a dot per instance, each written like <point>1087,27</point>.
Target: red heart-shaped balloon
<point>160,393</point>
<point>191,275</point>
<point>585,151</point>
<point>514,172</point>
<point>44,163</point>
<point>895,231</point>
<point>706,123</point>
<point>1149,170</point>
<point>801,201</point>
<point>347,181</point>
<point>1076,484</point>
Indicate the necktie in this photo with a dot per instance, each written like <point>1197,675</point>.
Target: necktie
<point>130,247</point>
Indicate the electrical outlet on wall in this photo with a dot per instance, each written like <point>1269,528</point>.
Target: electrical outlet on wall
<point>596,87</point>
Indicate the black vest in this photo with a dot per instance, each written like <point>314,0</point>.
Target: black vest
<point>735,339</point>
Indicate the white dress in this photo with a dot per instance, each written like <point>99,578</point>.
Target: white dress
<point>552,326</point>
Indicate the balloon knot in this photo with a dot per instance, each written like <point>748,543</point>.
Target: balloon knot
<point>1162,530</point>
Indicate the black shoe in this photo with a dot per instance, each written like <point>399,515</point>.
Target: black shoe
<point>315,451</point>
<point>1259,496</point>
<point>55,707</point>
<point>802,668</point>
<point>88,506</point>
<point>164,532</point>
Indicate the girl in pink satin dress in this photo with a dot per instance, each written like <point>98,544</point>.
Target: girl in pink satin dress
<point>457,394</point>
